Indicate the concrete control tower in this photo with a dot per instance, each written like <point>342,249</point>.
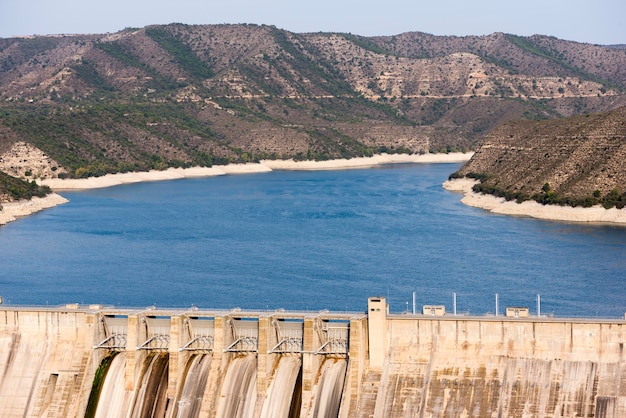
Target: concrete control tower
<point>377,310</point>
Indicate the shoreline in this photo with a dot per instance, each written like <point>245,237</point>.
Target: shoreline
<point>14,210</point>
<point>11,211</point>
<point>498,205</point>
<point>264,166</point>
<point>597,214</point>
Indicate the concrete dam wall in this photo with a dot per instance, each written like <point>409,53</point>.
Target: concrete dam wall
<point>97,362</point>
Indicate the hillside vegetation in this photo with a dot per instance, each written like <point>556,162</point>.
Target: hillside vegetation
<point>181,95</point>
<point>12,188</point>
<point>577,161</point>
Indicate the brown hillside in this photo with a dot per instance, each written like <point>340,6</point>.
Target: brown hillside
<point>184,95</point>
<point>582,160</point>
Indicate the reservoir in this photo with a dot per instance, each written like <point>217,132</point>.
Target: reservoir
<point>308,240</point>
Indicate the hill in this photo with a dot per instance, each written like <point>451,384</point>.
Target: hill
<point>577,161</point>
<point>181,95</point>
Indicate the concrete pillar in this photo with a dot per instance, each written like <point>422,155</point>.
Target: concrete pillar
<point>219,365</point>
<point>218,336</point>
<point>265,361</point>
<point>131,352</point>
<point>377,331</point>
<point>177,359</point>
<point>356,365</point>
<point>310,364</point>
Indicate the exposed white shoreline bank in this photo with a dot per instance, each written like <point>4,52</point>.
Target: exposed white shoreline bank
<point>262,167</point>
<point>596,214</point>
<point>13,210</point>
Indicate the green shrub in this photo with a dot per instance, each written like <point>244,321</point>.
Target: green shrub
<point>614,198</point>
<point>20,189</point>
<point>181,52</point>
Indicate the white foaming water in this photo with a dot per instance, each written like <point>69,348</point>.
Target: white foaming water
<point>193,390</point>
<point>114,400</point>
<point>238,392</point>
<point>281,389</point>
<point>329,390</point>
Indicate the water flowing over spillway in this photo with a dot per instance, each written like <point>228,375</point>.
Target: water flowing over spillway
<point>192,394</point>
<point>238,392</point>
<point>282,389</point>
<point>150,400</point>
<point>113,399</point>
<point>330,387</point>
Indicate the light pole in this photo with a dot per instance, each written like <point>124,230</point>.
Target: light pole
<point>496,304</point>
<point>538,305</point>
<point>454,303</point>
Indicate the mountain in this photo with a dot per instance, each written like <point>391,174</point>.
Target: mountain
<point>181,95</point>
<point>576,161</point>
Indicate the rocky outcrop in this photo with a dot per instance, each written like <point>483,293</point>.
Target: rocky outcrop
<point>23,160</point>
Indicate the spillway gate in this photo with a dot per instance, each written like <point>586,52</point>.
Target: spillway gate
<point>334,337</point>
<point>289,335</point>
<point>198,333</point>
<point>201,334</point>
<point>245,335</point>
<point>115,330</point>
<point>156,340</point>
<point>157,333</point>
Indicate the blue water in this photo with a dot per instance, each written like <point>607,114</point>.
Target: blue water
<point>307,241</point>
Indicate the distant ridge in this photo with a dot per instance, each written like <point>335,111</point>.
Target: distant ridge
<point>196,95</point>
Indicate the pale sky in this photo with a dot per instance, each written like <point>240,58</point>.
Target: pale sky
<point>592,21</point>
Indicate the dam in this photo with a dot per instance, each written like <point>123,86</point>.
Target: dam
<point>95,361</point>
